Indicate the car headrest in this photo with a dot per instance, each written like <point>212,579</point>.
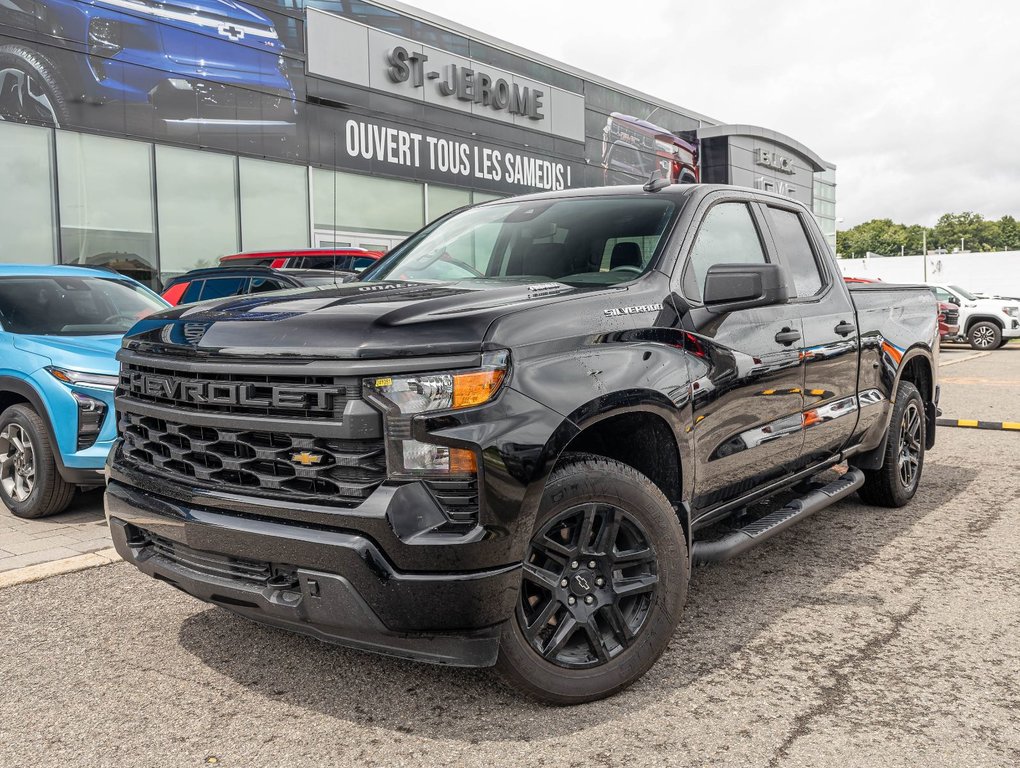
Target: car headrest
<point>625,254</point>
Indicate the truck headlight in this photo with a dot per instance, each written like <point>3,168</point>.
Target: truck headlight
<point>1012,311</point>
<point>405,397</point>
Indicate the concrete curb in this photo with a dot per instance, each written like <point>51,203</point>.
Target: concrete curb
<point>41,571</point>
<point>963,359</point>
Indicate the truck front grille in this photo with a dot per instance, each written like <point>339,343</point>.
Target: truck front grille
<point>257,429</point>
<point>292,466</point>
<point>308,397</point>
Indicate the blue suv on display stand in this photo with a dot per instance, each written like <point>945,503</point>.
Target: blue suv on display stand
<point>60,329</point>
<point>187,68</point>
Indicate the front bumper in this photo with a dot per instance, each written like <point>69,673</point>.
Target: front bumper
<point>336,585</point>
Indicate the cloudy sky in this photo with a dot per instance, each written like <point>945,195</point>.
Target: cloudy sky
<point>917,103</point>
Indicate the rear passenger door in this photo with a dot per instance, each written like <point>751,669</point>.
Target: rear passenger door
<point>744,364</point>
<point>829,348</point>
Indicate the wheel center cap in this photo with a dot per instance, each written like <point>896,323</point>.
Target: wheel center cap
<point>582,583</point>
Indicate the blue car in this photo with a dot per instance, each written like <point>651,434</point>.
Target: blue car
<point>189,68</point>
<point>60,329</point>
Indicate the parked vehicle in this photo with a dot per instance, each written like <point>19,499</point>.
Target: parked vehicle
<point>201,68</point>
<point>507,442</point>
<point>60,328</point>
<point>633,149</point>
<point>344,259</point>
<point>984,323</point>
<point>220,282</point>
<point>949,320</point>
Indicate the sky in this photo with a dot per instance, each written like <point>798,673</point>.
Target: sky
<point>917,103</point>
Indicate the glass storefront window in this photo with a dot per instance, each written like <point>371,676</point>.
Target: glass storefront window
<point>445,199</point>
<point>484,197</point>
<point>366,203</point>
<point>106,211</point>
<point>197,208</point>
<point>26,195</point>
<point>274,205</point>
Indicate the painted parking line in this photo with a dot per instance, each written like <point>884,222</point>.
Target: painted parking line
<point>1009,426</point>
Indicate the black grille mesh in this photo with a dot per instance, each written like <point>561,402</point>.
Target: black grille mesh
<point>293,467</point>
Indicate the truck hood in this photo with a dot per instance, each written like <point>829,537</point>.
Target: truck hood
<point>359,320</point>
<point>89,354</point>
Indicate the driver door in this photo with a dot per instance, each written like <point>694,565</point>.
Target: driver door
<point>746,371</point>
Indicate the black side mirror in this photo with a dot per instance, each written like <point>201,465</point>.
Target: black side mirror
<point>729,287</point>
<point>954,300</point>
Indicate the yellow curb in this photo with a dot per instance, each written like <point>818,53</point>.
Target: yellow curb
<point>963,359</point>
<point>41,571</point>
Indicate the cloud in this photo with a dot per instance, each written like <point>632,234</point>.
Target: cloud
<point>915,103</point>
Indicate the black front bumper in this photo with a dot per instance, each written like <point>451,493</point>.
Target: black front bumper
<point>335,585</point>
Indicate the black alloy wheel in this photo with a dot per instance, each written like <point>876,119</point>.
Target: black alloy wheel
<point>589,581</point>
<point>603,586</point>
<point>908,460</point>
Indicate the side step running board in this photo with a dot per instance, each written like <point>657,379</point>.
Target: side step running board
<point>755,533</point>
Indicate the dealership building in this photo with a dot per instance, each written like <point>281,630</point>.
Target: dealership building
<point>154,138</point>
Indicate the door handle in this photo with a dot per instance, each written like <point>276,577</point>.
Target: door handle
<point>787,336</point>
<point>844,328</point>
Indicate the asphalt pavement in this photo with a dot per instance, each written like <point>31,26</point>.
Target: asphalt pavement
<point>860,637</point>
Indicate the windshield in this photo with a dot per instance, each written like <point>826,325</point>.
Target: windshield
<point>576,241</point>
<point>966,294</point>
<point>72,306</point>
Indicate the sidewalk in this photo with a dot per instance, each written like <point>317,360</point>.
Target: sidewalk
<point>81,529</point>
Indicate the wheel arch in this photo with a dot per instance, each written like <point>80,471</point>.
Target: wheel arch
<point>973,319</point>
<point>15,391</point>
<point>916,367</point>
<point>644,431</point>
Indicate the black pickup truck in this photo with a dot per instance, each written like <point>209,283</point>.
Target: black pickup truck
<point>508,442</point>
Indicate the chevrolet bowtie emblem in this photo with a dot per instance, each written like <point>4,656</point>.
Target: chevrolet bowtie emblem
<point>305,458</point>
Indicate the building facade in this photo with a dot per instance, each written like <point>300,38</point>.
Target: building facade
<point>155,137</point>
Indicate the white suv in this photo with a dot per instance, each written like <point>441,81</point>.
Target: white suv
<point>984,323</point>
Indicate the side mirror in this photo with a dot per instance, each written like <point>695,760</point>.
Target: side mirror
<point>954,300</point>
<point>729,287</point>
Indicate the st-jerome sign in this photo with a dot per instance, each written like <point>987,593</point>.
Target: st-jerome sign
<point>465,84</point>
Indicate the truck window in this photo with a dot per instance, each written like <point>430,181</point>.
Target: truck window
<point>220,287</point>
<point>728,235</point>
<point>537,241</point>
<point>796,253</point>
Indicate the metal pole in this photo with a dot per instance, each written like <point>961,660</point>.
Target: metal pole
<point>924,252</point>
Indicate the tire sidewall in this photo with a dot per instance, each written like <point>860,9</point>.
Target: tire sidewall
<point>909,394</point>
<point>996,337</point>
<point>45,468</point>
<point>47,75</point>
<point>569,487</point>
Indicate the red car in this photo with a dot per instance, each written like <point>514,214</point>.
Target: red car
<point>949,320</point>
<point>343,259</point>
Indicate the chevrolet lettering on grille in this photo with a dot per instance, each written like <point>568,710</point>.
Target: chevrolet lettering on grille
<point>230,393</point>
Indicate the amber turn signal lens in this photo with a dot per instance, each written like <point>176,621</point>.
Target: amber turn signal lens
<point>477,387</point>
<point>462,461</point>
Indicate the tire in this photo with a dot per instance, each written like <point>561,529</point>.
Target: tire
<point>984,334</point>
<point>637,587</point>
<point>1004,342</point>
<point>31,89</point>
<point>888,486</point>
<point>30,485</point>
